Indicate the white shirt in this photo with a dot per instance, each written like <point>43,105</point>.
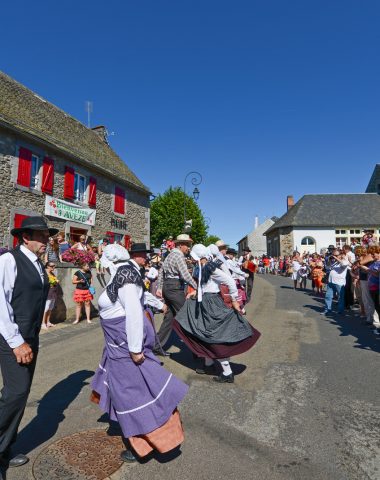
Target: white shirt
<point>135,299</point>
<point>8,273</point>
<point>338,273</point>
<point>237,273</point>
<point>218,277</point>
<point>152,274</point>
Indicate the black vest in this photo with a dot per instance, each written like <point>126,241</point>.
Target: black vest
<point>29,296</point>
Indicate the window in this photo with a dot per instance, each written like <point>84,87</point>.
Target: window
<point>308,241</point>
<point>35,172</point>
<point>340,241</point>
<point>119,202</point>
<point>80,187</point>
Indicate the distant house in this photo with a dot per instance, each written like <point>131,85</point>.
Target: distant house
<point>53,165</point>
<point>256,241</point>
<point>317,221</point>
<point>374,183</point>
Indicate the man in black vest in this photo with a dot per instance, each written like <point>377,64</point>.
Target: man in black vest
<point>24,288</point>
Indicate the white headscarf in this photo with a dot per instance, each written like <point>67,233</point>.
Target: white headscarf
<point>114,253</point>
<point>216,253</point>
<point>198,252</point>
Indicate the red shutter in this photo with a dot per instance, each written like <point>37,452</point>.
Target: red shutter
<point>119,200</point>
<point>111,236</point>
<point>47,175</point>
<point>69,183</point>
<point>127,242</point>
<point>92,192</point>
<point>18,218</point>
<point>24,167</point>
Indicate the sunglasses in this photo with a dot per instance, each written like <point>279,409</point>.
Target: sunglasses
<point>52,266</point>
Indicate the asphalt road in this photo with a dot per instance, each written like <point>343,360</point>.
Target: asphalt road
<point>305,403</point>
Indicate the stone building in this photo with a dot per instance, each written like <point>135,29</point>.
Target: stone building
<point>317,221</point>
<point>256,240</point>
<point>53,165</point>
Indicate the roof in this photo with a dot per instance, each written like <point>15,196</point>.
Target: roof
<point>26,111</point>
<point>332,210</point>
<point>374,182</point>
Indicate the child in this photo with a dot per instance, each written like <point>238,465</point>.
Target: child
<point>302,275</point>
<point>317,275</point>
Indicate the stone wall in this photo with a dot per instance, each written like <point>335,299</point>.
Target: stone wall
<point>286,241</point>
<point>64,309</point>
<point>16,199</point>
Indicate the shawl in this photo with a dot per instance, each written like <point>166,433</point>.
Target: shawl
<point>124,274</point>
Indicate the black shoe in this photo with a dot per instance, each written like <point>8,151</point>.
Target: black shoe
<point>127,456</point>
<point>206,370</point>
<point>224,378</point>
<point>18,460</point>
<point>161,353</point>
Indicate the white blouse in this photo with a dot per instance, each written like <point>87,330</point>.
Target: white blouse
<point>218,277</point>
<point>130,302</point>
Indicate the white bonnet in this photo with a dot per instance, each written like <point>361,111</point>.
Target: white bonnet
<point>116,253</point>
<point>213,249</point>
<point>200,251</point>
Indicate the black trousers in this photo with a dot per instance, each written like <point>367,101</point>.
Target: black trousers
<point>348,296</point>
<point>249,287</point>
<point>174,296</point>
<point>17,380</point>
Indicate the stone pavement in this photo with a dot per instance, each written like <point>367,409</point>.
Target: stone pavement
<point>305,403</point>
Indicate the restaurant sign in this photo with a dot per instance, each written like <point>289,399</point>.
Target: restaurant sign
<point>69,211</point>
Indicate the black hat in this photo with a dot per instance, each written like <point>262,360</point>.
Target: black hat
<point>34,223</point>
<point>231,251</point>
<point>247,249</point>
<point>139,248</point>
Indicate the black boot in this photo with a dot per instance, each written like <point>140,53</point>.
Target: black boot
<point>224,378</point>
<point>127,456</point>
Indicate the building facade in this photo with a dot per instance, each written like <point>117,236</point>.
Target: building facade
<point>53,165</point>
<point>317,221</point>
<point>256,240</point>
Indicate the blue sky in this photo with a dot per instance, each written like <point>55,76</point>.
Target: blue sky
<point>263,98</point>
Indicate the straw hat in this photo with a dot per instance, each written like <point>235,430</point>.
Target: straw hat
<point>183,238</point>
<point>220,244</point>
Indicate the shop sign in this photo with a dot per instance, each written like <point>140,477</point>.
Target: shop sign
<point>69,211</point>
<point>119,224</point>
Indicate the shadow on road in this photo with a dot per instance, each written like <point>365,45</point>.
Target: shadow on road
<point>50,412</point>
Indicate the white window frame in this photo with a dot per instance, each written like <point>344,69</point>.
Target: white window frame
<point>35,180</point>
<point>77,194</point>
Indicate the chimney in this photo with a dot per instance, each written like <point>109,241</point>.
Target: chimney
<point>289,202</point>
<point>102,132</point>
<point>256,222</point>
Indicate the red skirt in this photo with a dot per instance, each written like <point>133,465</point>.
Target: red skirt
<point>82,295</point>
<point>215,350</point>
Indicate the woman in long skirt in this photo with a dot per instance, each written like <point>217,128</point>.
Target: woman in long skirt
<point>130,383</point>
<point>207,326</point>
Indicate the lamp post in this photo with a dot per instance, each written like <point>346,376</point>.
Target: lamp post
<point>196,179</point>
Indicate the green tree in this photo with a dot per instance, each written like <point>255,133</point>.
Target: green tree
<point>211,239</point>
<point>166,217</point>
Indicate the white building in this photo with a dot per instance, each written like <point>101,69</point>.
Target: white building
<point>317,221</point>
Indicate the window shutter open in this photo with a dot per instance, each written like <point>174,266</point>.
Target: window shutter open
<point>127,242</point>
<point>92,192</point>
<point>47,175</point>
<point>69,183</point>
<point>119,201</point>
<point>18,218</point>
<point>24,167</point>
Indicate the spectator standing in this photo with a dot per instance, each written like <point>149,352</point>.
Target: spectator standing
<point>62,245</point>
<point>366,260</point>
<point>336,281</point>
<point>248,267</point>
<point>52,251</point>
<point>52,295</point>
<point>82,244</point>
<point>82,296</point>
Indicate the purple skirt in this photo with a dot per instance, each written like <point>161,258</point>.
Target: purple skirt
<point>140,397</point>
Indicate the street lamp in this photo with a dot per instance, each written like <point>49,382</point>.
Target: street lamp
<point>195,180</point>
